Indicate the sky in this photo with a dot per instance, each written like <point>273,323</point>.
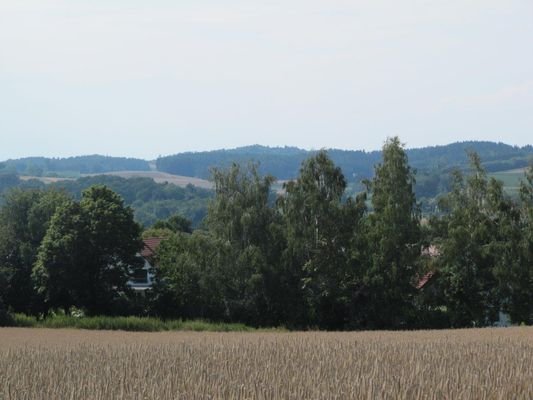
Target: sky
<point>147,78</point>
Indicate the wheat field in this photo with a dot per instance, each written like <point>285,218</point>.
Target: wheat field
<point>76,364</point>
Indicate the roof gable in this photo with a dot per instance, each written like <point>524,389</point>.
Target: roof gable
<point>150,246</point>
<point>422,282</point>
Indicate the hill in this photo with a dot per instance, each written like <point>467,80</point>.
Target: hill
<point>149,199</point>
<point>284,162</point>
<point>433,165</point>
<point>74,166</point>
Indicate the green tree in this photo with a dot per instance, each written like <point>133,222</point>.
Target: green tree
<point>228,272</point>
<point>4,277</point>
<point>478,233</point>
<point>190,281</point>
<point>512,249</point>
<point>240,212</point>
<point>8,180</point>
<point>175,223</point>
<point>518,275</point>
<point>319,226</point>
<point>393,234</point>
<point>24,218</point>
<point>88,252</point>
<point>241,215</point>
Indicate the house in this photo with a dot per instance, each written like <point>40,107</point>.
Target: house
<point>142,279</point>
<point>425,284</point>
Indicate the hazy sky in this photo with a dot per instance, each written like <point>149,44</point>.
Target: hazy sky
<point>144,78</point>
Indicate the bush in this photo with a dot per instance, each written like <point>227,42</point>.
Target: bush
<point>24,321</point>
<point>139,324</point>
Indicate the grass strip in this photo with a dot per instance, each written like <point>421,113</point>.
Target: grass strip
<point>132,323</point>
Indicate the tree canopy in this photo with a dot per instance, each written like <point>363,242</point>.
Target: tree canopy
<point>308,255</point>
<point>87,254</point>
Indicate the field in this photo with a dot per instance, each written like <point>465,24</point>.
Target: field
<point>78,364</point>
<point>45,179</point>
<point>162,177</point>
<point>158,177</point>
<point>511,179</point>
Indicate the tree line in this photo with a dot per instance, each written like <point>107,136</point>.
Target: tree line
<point>432,163</point>
<point>94,164</point>
<point>151,201</point>
<point>311,257</point>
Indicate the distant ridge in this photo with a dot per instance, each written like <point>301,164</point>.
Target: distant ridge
<point>191,172</point>
<point>281,162</point>
<point>284,162</point>
<point>73,166</point>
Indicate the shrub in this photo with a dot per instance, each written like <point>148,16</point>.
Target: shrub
<point>131,323</point>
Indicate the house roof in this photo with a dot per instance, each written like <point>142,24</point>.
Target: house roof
<point>150,246</point>
<point>425,279</point>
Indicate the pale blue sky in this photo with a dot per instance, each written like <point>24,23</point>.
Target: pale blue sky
<point>143,78</point>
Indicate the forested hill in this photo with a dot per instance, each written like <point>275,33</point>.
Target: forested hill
<point>284,162</point>
<point>433,164</point>
<point>495,156</point>
<point>281,162</point>
<point>151,201</point>
<point>92,164</point>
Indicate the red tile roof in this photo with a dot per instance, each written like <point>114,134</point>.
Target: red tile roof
<point>150,246</point>
<point>425,279</point>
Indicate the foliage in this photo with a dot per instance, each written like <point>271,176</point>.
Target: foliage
<point>308,255</point>
<point>318,227</point>
<point>8,180</point>
<point>393,241</point>
<point>481,250</point>
<point>157,232</point>
<point>175,223</point>
<point>199,164</point>
<point>130,323</point>
<point>519,276</point>
<point>88,252</point>
<point>5,317</point>
<point>24,219</point>
<point>320,258</point>
<point>188,277</point>
<point>433,163</point>
<point>241,220</point>
<point>94,164</point>
<point>227,273</point>
<point>151,201</point>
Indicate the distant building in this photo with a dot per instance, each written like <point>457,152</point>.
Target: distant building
<point>143,278</point>
<point>426,284</point>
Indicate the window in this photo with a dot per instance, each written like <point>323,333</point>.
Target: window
<point>140,276</point>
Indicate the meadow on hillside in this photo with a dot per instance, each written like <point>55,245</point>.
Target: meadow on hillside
<point>492,363</point>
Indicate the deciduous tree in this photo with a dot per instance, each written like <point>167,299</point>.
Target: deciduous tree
<point>24,219</point>
<point>319,226</point>
<point>393,240</point>
<point>88,252</point>
<point>472,247</point>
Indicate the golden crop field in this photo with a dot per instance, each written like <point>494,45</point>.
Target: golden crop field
<point>76,364</point>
